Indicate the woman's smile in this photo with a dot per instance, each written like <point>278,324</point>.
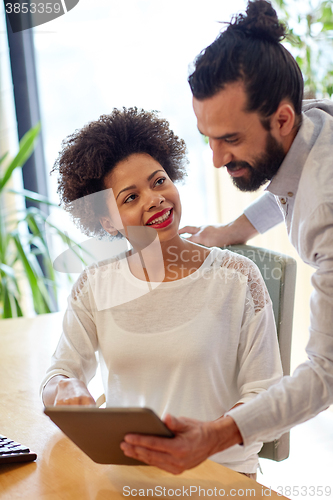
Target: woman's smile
<point>161,219</point>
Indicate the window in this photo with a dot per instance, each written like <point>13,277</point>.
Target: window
<point>104,54</point>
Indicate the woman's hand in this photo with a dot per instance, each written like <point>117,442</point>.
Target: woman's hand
<point>71,391</point>
<point>61,390</point>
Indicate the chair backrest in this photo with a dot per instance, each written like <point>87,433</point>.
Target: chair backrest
<point>279,273</point>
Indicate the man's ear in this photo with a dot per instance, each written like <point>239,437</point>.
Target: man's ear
<point>283,120</point>
<point>107,226</point>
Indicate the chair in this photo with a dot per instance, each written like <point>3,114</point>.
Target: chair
<point>279,273</point>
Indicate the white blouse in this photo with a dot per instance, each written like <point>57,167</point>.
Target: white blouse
<point>193,347</point>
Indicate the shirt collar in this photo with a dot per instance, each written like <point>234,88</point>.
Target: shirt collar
<point>288,176</point>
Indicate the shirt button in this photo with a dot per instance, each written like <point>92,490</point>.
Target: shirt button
<point>290,194</point>
<point>283,201</point>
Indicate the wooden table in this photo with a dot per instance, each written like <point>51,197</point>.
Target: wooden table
<point>62,471</point>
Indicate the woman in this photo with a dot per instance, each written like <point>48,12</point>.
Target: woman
<point>178,327</point>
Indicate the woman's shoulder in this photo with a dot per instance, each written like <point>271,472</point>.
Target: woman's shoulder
<point>247,271</point>
<point>95,271</point>
<point>227,259</point>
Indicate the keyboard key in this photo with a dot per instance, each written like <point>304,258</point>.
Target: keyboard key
<point>12,451</point>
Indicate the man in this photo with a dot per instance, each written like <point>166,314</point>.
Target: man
<point>247,97</point>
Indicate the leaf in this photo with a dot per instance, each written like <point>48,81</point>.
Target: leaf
<point>3,157</point>
<point>26,148</point>
<point>31,195</point>
<point>11,306</point>
<point>325,13</point>
<point>40,296</point>
<point>7,308</point>
<point>327,26</point>
<point>75,247</point>
<point>7,270</point>
<point>32,220</point>
<point>15,247</point>
<point>19,312</point>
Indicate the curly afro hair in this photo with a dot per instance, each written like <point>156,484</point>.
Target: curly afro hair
<point>91,153</point>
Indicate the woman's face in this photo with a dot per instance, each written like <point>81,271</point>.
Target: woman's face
<point>144,195</point>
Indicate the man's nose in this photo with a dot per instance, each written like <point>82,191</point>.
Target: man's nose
<point>221,154</point>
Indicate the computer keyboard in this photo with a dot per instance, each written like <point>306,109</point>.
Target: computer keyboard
<point>11,451</point>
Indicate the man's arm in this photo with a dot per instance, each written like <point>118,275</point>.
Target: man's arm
<point>237,232</point>
<point>275,411</point>
<point>261,215</point>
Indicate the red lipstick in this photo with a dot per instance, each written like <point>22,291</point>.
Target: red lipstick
<point>165,223</point>
<point>158,214</point>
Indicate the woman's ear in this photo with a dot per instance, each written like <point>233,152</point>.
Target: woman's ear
<point>107,226</point>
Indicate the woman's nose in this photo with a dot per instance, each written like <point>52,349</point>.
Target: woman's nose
<point>154,200</point>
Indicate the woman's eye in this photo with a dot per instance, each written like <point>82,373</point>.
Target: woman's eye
<point>160,181</point>
<point>130,198</point>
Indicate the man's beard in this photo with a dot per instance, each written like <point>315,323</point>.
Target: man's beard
<point>263,169</point>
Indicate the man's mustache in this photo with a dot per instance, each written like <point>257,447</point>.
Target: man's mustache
<point>233,165</point>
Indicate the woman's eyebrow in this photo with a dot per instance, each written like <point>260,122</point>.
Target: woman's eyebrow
<point>134,186</point>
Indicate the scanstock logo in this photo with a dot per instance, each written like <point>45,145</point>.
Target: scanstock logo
<point>23,15</point>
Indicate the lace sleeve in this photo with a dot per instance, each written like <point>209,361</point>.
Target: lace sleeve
<point>256,284</point>
<point>80,287</point>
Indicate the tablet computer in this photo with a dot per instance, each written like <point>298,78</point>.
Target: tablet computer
<point>99,431</point>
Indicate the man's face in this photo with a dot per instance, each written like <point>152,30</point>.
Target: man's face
<point>251,154</point>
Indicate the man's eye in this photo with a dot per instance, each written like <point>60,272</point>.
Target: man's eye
<point>231,141</point>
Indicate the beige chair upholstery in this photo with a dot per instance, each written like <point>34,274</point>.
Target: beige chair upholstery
<point>279,273</point>
<point>100,400</point>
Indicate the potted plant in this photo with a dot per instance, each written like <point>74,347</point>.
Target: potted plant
<point>24,256</point>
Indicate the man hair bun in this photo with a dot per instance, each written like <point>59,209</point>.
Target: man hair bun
<point>260,21</point>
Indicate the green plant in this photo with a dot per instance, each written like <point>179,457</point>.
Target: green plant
<point>24,256</point>
<point>311,42</point>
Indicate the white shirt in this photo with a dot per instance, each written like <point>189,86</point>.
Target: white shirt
<point>192,347</point>
<point>303,188</point>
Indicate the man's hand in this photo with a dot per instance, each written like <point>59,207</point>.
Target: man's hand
<point>235,233</point>
<point>193,443</point>
<point>209,236</point>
